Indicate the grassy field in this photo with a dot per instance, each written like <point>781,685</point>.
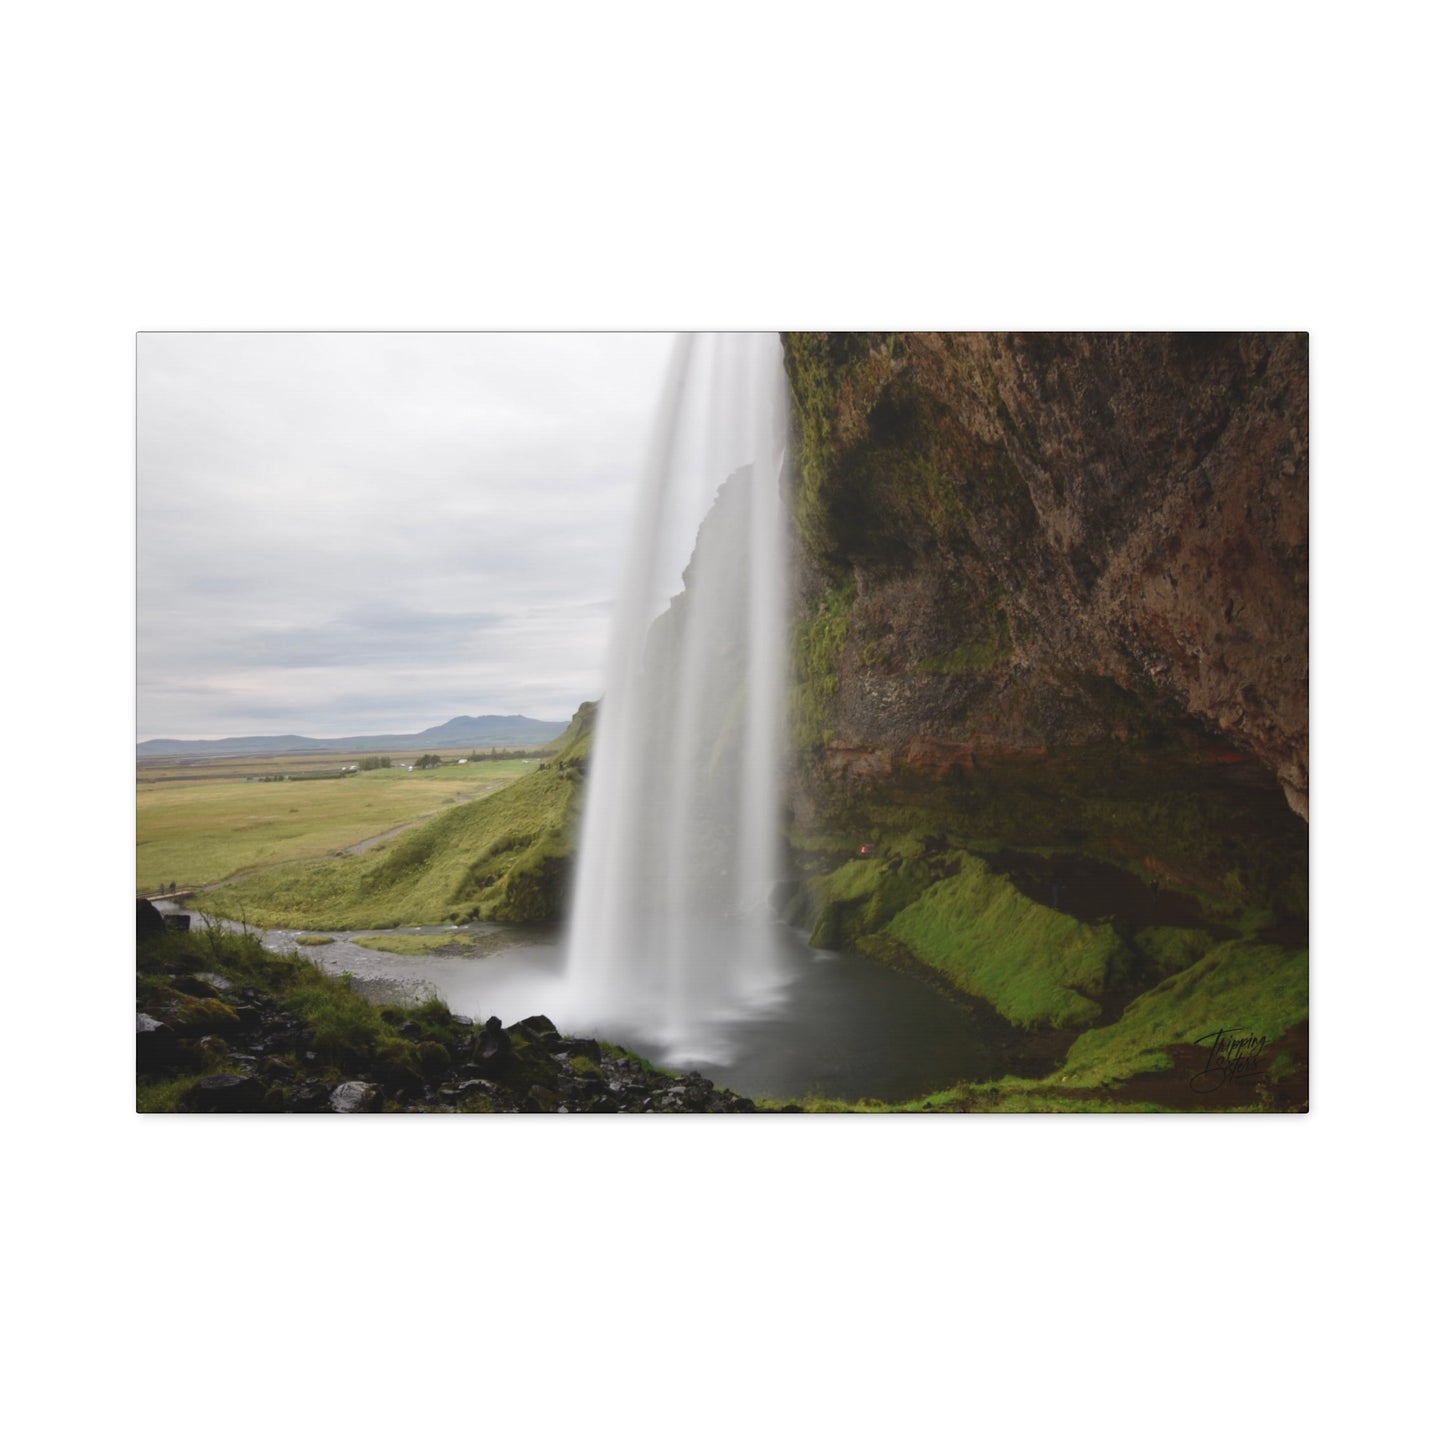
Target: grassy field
<point>206,827</point>
<point>503,856</point>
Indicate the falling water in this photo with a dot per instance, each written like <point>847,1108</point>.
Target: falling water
<point>672,935</point>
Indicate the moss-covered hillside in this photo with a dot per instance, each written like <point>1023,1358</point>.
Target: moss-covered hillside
<point>505,857</point>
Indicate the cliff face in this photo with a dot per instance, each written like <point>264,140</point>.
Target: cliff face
<point>1031,524</point>
<point>1056,565</point>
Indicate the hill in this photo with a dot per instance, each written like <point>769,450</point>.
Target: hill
<point>490,731</point>
<point>505,857</point>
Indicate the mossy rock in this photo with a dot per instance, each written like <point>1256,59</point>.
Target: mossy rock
<point>530,1064</point>
<point>434,1059</point>
<point>204,1015</point>
<point>398,1062</point>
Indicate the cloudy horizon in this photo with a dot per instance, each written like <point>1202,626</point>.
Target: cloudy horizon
<point>365,533</point>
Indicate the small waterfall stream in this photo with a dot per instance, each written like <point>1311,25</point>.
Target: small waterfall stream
<point>671,933</point>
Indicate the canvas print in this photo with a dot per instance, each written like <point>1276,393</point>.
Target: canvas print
<point>898,722</point>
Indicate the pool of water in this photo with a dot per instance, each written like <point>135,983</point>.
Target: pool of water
<point>838,1025</point>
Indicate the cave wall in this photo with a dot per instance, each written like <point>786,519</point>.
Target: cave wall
<point>1012,546</point>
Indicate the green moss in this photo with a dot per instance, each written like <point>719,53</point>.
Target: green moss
<point>397,1061</point>
<point>1036,966</point>
<point>1174,948</point>
<point>407,944</point>
<point>165,1096</point>
<point>979,654</point>
<point>817,647</point>
<point>204,1015</point>
<point>860,897</point>
<point>1241,985</point>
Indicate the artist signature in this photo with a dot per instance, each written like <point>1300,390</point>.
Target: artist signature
<point>1233,1059</point>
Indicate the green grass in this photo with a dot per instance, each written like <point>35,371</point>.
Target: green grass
<point>503,857</point>
<point>1038,967</point>
<point>164,1096</point>
<point>200,831</point>
<point>1034,965</point>
<point>1252,987</point>
<point>407,944</point>
<point>1006,1096</point>
<point>1174,949</point>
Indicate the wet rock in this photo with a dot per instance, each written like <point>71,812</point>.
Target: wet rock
<point>539,1028</point>
<point>583,1048</point>
<point>149,920</point>
<point>227,1094</point>
<point>541,1100</point>
<point>194,985</point>
<point>197,1016</point>
<point>433,1059</point>
<point>493,1055</point>
<point>308,1098</point>
<point>355,1097</point>
<point>155,1044</point>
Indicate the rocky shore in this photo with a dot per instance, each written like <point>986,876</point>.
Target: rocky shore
<point>216,1040</point>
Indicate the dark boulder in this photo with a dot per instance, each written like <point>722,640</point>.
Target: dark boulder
<point>493,1054</point>
<point>155,1044</point>
<point>149,921</point>
<point>540,1029</point>
<point>308,1098</point>
<point>195,985</point>
<point>226,1094</point>
<point>434,1059</point>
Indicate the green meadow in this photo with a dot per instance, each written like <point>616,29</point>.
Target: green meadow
<point>198,830</point>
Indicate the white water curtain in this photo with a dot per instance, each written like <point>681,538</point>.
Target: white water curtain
<point>671,932</point>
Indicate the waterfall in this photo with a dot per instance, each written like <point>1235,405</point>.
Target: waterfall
<point>671,932</point>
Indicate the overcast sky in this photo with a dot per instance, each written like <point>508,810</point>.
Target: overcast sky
<point>370,533</point>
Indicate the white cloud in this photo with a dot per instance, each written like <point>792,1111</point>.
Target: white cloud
<point>348,533</point>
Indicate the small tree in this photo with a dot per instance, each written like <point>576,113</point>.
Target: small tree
<point>428,760</point>
<point>368,765</point>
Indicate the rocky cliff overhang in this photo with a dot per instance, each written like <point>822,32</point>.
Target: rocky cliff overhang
<point>1016,544</point>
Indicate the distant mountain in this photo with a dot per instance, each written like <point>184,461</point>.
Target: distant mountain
<point>461,732</point>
